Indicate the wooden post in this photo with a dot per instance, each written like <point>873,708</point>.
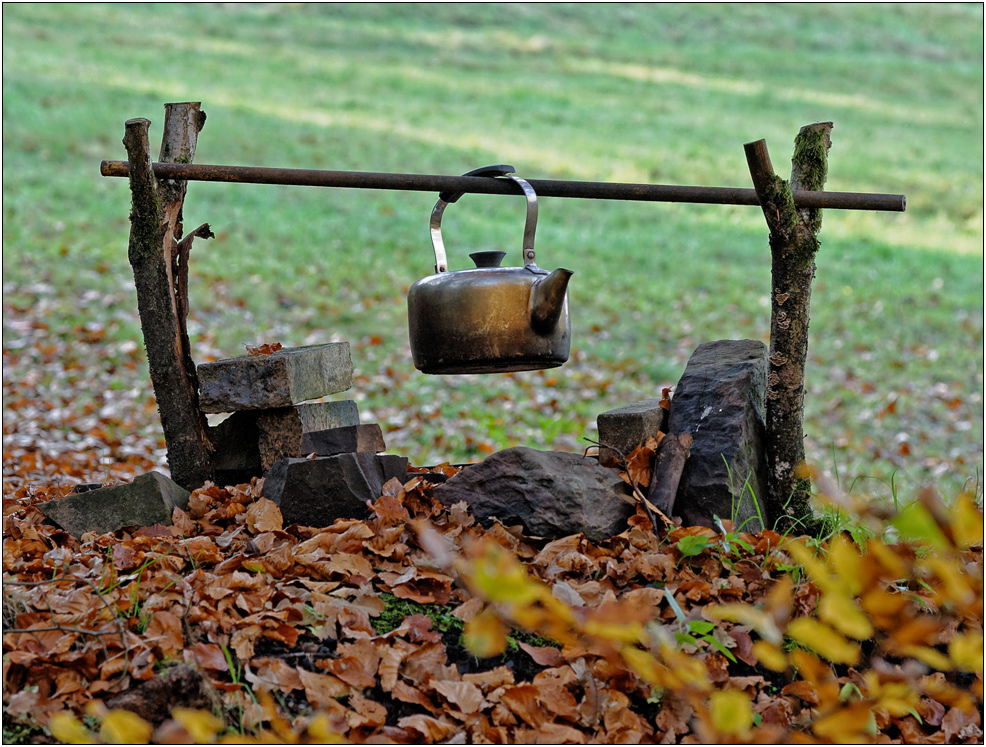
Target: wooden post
<point>159,265</point>
<point>793,244</point>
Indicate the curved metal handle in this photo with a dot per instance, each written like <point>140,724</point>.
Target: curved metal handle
<point>531,224</point>
<point>446,198</point>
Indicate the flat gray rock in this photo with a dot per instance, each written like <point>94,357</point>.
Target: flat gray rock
<point>316,492</point>
<point>627,427</point>
<point>721,400</point>
<point>553,494</point>
<point>149,499</point>
<point>280,379</point>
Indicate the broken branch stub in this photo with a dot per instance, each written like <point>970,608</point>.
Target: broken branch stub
<point>793,244</point>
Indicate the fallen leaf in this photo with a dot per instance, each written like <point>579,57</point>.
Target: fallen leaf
<point>264,516</point>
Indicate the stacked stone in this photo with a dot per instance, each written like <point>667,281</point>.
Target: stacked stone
<point>274,431</point>
<point>271,426</point>
<point>271,418</point>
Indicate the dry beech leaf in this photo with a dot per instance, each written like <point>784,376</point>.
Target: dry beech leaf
<point>265,348</point>
<point>264,516</point>
<point>465,696</point>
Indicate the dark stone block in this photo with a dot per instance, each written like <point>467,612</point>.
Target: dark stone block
<point>149,499</point>
<point>625,428</point>
<point>553,494</point>
<point>248,443</point>
<point>721,400</point>
<point>346,440</point>
<point>316,492</point>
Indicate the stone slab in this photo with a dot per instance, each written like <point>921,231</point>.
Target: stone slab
<point>150,499</point>
<point>345,440</point>
<point>248,443</point>
<point>280,379</point>
<point>627,427</point>
<point>721,401</point>
<point>553,494</point>
<point>317,492</point>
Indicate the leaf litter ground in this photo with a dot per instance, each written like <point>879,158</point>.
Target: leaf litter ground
<point>502,637</point>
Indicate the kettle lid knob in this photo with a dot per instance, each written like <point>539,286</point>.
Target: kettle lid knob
<point>487,259</point>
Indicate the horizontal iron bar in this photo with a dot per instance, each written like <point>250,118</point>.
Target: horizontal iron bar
<point>486,185</point>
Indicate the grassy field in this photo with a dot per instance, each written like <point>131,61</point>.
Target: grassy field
<point>638,93</point>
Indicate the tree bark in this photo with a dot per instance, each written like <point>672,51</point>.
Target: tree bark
<point>155,228</point>
<point>793,244</point>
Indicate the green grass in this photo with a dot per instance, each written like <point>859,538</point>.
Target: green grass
<point>640,93</point>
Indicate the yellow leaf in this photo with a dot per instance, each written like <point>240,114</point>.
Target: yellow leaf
<point>897,698</point>
<point>930,656</point>
<point>65,727</point>
<point>967,524</point>
<point>852,724</point>
<point>485,635</point>
<point>688,670</point>
<point>630,632</point>
<point>201,725</point>
<point>841,612</point>
<point>745,614</point>
<point>966,650</point>
<point>321,731</point>
<point>958,585</point>
<point>916,522</point>
<point>807,559</point>
<point>500,577</point>
<point>845,562</point>
<point>731,712</point>
<point>645,665</point>
<point>121,726</point>
<point>887,558</point>
<point>770,656</point>
<point>822,639</point>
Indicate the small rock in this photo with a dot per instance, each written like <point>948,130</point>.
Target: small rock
<point>553,494</point>
<point>316,492</point>
<point>625,428</point>
<point>149,499</point>
<point>279,379</point>
<point>181,686</point>
<point>721,400</point>
<point>248,443</point>
<point>345,440</point>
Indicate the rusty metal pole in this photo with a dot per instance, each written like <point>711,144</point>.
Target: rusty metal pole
<point>479,185</point>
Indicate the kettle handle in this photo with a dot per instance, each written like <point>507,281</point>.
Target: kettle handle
<point>446,198</point>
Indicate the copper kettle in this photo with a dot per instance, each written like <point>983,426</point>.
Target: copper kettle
<point>489,319</point>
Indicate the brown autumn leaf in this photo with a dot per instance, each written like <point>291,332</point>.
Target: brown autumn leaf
<point>522,701</point>
<point>351,670</point>
<point>265,673</point>
<point>265,348</point>
<point>165,633</point>
<point>209,656</point>
<point>465,696</point>
<point>546,656</point>
<point>320,689</point>
<point>264,516</point>
<point>433,730</point>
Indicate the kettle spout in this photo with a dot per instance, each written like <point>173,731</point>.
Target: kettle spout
<point>548,300</point>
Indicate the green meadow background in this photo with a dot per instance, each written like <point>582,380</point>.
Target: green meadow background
<point>656,93</point>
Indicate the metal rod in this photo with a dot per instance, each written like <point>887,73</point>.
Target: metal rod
<point>483,185</point>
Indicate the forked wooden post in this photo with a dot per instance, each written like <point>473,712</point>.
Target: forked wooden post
<point>159,257</point>
<point>793,244</point>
